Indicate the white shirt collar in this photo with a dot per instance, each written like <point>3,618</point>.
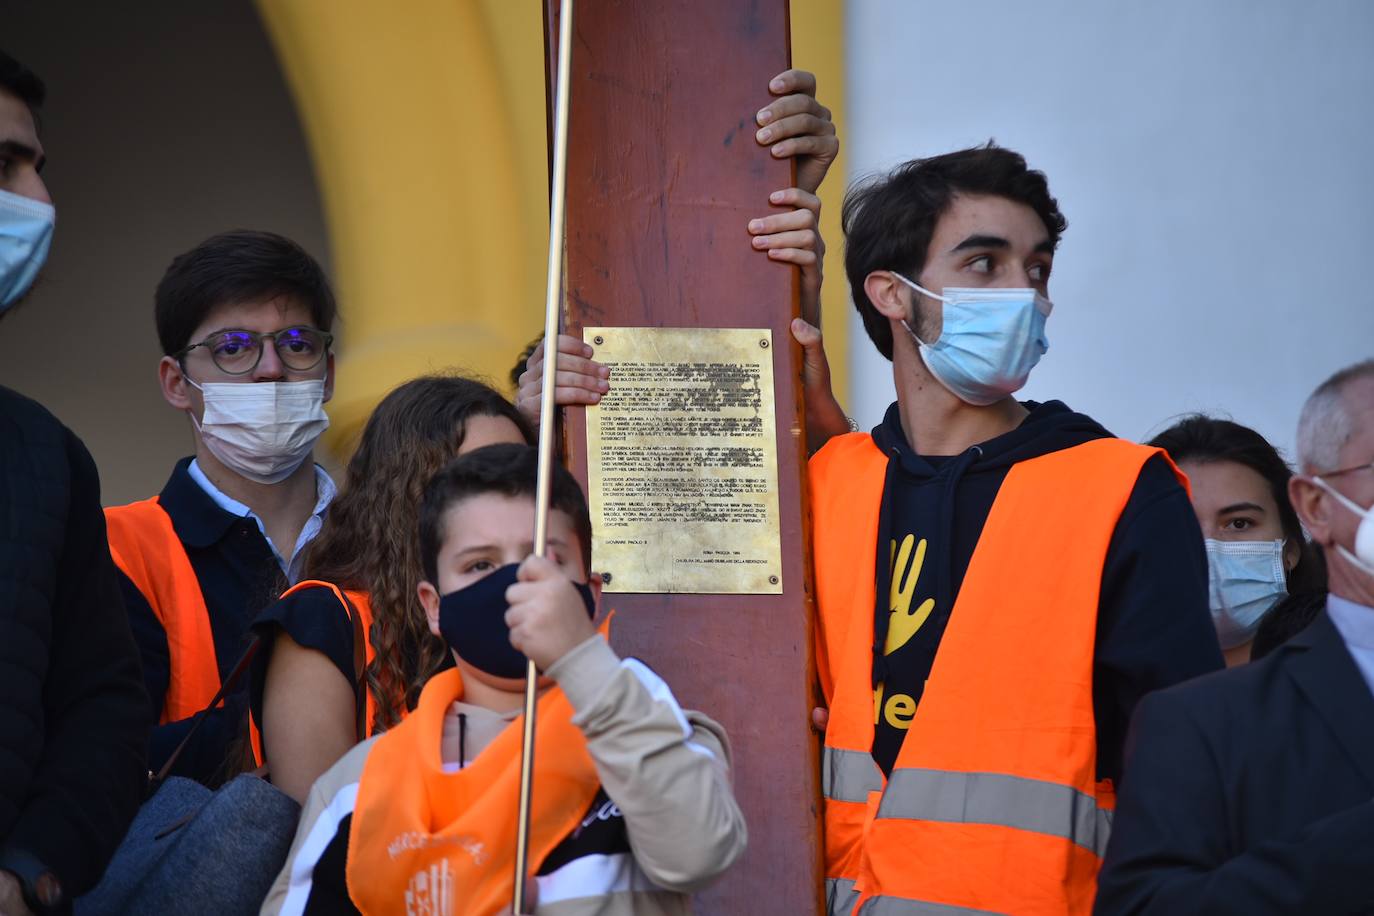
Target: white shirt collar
<point>1355,622</point>
<point>325,491</point>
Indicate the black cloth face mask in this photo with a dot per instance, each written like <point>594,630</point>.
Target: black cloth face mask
<point>472,621</point>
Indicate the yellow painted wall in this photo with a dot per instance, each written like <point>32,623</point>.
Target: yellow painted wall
<point>427,128</point>
<point>818,46</point>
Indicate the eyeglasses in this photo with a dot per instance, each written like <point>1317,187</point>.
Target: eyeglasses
<point>1358,467</point>
<point>239,352</point>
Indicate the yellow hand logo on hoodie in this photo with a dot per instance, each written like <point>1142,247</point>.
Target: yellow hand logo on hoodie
<point>906,570</point>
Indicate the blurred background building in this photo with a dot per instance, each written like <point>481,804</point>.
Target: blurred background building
<point>1212,159</point>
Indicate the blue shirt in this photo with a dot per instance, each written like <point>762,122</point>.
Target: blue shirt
<point>1355,623</point>
<point>325,491</point>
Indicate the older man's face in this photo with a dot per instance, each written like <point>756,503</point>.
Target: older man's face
<point>1358,452</point>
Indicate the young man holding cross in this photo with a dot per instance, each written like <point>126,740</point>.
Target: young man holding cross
<point>998,582</point>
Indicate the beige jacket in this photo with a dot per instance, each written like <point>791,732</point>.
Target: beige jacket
<point>665,770</point>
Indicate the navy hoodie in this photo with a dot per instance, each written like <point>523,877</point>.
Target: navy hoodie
<point>1154,628</point>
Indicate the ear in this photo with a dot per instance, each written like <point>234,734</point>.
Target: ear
<point>1292,552</point>
<point>889,296</point>
<point>429,600</point>
<point>597,585</point>
<point>175,389</point>
<point>328,376</point>
<point>1313,506</point>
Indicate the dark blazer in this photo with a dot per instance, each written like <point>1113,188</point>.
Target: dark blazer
<point>1250,791</point>
<point>72,709</point>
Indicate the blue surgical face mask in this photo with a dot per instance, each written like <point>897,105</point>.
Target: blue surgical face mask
<point>25,234</point>
<point>990,340</point>
<point>1246,579</point>
<point>472,621</point>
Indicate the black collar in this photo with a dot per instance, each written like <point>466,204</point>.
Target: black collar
<point>198,520</point>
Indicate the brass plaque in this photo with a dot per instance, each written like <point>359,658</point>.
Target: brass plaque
<point>682,463</point>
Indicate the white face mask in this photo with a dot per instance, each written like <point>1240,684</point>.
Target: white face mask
<point>262,430</point>
<point>1363,555</point>
<point>1246,579</point>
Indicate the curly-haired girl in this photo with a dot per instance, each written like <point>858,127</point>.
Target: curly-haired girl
<point>304,698</point>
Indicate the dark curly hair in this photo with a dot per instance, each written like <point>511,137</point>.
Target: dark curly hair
<point>368,540</point>
<point>889,221</point>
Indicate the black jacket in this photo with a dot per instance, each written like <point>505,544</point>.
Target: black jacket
<point>1250,791</point>
<point>1153,626</point>
<point>72,707</point>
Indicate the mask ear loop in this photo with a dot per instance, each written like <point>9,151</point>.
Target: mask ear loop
<point>1341,498</point>
<point>192,382</point>
<point>1354,508</point>
<point>920,289</point>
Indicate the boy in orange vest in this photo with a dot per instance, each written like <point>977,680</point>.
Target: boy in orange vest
<point>632,805</point>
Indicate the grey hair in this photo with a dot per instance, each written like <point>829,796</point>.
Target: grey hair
<point>1324,426</point>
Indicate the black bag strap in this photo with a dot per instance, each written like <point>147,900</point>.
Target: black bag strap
<point>359,650</point>
<point>359,668</point>
<point>246,660</point>
<point>230,683</point>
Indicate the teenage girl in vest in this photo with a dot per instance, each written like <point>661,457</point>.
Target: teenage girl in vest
<point>304,702</point>
<point>1259,561</point>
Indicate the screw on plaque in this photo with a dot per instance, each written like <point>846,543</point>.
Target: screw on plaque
<point>764,343</point>
<point>772,580</point>
<point>598,340</point>
<point>605,578</point>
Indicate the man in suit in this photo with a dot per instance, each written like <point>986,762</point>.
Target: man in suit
<point>1252,790</point>
<point>71,702</point>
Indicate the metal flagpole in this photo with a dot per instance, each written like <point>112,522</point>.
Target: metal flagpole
<point>548,426</point>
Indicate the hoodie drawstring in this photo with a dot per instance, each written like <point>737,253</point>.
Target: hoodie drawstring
<point>883,570</point>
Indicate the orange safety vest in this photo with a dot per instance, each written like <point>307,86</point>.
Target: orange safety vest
<point>362,602</point>
<point>993,803</point>
<point>423,840</point>
<point>146,548</point>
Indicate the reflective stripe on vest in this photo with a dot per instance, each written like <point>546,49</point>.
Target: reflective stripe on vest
<point>996,798</point>
<point>849,775</point>
<point>840,896</point>
<point>145,547</point>
<point>996,777</point>
<point>902,906</point>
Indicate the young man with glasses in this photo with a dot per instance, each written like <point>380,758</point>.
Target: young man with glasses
<point>244,321</point>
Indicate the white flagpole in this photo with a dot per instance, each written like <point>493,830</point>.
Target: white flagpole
<point>548,425</point>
